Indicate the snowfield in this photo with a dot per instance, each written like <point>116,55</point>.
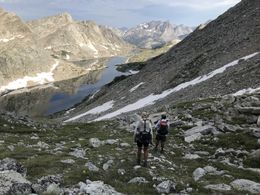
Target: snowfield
<point>41,78</point>
<point>104,107</point>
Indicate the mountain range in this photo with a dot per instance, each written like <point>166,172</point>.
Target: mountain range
<point>155,34</point>
<point>41,51</point>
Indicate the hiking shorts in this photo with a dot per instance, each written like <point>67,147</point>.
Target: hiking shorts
<point>161,138</point>
<point>142,144</point>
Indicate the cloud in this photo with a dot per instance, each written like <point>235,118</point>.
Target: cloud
<point>194,4</point>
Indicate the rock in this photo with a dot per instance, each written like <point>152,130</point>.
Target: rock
<point>198,173</point>
<point>78,152</point>
<point>228,99</point>
<point>12,182</point>
<point>258,121</point>
<point>125,145</point>
<point>111,141</point>
<point>191,156</point>
<point>255,154</point>
<point>256,132</point>
<point>165,186</point>
<point>68,161</point>
<point>210,169</point>
<point>97,187</point>
<point>43,183</point>
<point>258,141</point>
<point>92,167</point>
<point>53,189</point>
<point>95,142</point>
<point>204,130</point>
<point>121,171</point>
<point>193,137</point>
<point>108,164</point>
<point>43,145</point>
<point>137,167</point>
<point>12,164</point>
<point>138,180</point>
<point>249,110</point>
<point>218,187</point>
<point>246,185</point>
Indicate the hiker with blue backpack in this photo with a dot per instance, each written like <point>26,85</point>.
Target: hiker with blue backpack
<point>162,127</point>
<point>143,136</point>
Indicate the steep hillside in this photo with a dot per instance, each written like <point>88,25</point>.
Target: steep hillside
<point>72,40</point>
<point>24,62</point>
<point>155,34</point>
<point>220,58</point>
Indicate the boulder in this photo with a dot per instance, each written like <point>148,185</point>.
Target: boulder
<point>12,182</point>
<point>68,161</point>
<point>53,189</point>
<point>138,180</point>
<point>78,152</point>
<point>218,187</point>
<point>191,156</point>
<point>12,164</point>
<point>92,167</point>
<point>165,187</point>
<point>108,164</point>
<point>95,142</point>
<point>111,141</point>
<point>258,121</point>
<point>193,137</point>
<point>97,187</point>
<point>255,154</point>
<point>42,184</point>
<point>198,173</point>
<point>204,130</point>
<point>249,110</point>
<point>246,185</point>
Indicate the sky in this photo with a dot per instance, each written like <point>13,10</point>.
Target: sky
<point>123,13</point>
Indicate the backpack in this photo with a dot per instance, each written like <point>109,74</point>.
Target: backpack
<point>145,136</point>
<point>163,128</point>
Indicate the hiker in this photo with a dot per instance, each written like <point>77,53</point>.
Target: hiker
<point>143,136</point>
<point>162,127</point>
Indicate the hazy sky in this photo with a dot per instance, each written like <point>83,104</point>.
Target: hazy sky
<point>120,13</point>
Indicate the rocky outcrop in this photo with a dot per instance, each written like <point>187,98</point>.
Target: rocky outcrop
<point>246,185</point>
<point>72,40</point>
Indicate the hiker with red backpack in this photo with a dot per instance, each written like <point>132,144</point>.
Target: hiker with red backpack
<point>162,127</point>
<point>143,136</point>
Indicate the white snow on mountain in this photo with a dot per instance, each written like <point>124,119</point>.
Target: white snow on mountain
<point>104,107</point>
<point>246,91</point>
<point>40,78</point>
<point>135,87</point>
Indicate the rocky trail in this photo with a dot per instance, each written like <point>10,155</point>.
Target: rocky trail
<point>212,148</point>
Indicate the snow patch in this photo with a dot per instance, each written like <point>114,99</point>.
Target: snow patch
<point>104,107</point>
<point>5,40</point>
<point>135,87</point>
<point>41,78</point>
<point>151,99</point>
<point>133,71</point>
<point>246,91</point>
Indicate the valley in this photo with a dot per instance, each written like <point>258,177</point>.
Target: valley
<point>72,92</point>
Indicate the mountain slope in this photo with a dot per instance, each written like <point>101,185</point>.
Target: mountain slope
<point>155,34</point>
<point>23,60</point>
<point>230,38</point>
<point>70,39</point>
